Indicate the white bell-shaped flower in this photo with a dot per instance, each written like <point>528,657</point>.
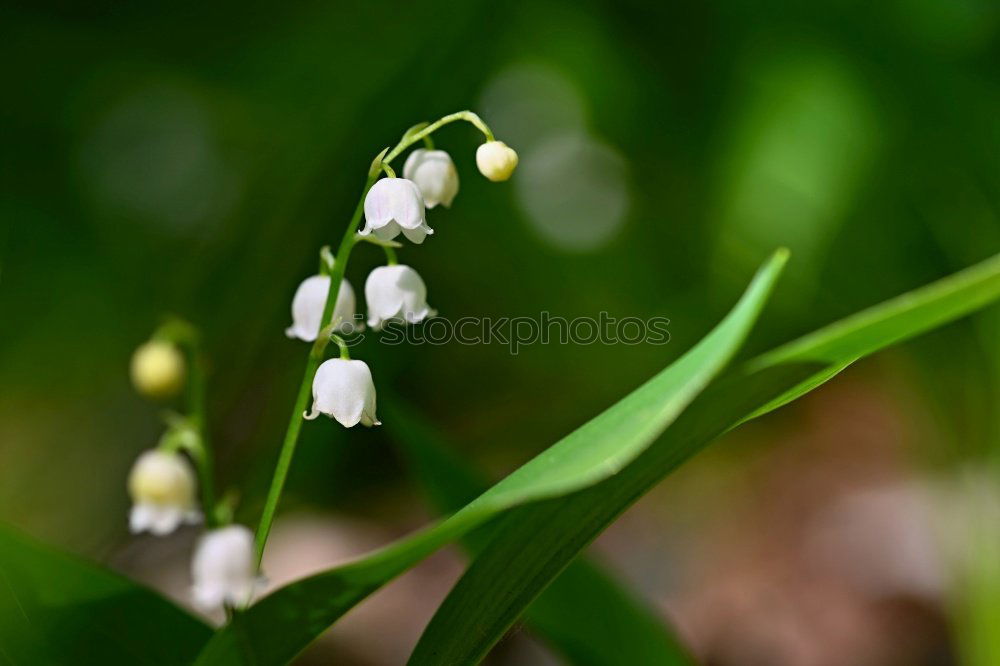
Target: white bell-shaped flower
<point>435,175</point>
<point>307,308</point>
<point>224,569</point>
<point>395,205</point>
<point>162,486</point>
<point>496,160</point>
<point>396,293</point>
<point>343,389</point>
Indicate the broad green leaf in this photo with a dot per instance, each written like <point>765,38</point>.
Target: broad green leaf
<point>585,615</point>
<point>58,609</point>
<point>533,544</point>
<point>276,629</point>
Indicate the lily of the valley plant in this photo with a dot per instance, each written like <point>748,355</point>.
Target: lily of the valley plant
<point>171,485</point>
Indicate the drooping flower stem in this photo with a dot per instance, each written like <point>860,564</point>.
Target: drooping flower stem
<point>287,451</point>
<point>194,427</point>
<point>203,450</point>
<point>409,139</point>
<point>349,239</point>
<point>315,358</point>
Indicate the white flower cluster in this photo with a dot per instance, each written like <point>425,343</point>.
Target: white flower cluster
<point>163,487</point>
<point>163,483</point>
<point>343,388</point>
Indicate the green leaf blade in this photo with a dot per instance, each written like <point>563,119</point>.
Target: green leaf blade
<point>58,609</point>
<point>895,320</point>
<point>534,543</point>
<point>585,615</point>
<point>841,343</point>
<point>591,619</point>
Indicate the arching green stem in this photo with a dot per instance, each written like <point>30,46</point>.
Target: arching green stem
<point>411,139</point>
<point>336,272</point>
<point>305,387</point>
<point>191,432</point>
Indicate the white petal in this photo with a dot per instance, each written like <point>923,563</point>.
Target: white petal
<point>345,307</point>
<point>408,206</point>
<point>396,292</point>
<point>307,307</point>
<point>382,295</point>
<point>368,417</point>
<point>388,232</point>
<point>140,518</point>
<point>378,206</point>
<point>208,597</point>
<point>159,519</point>
<point>343,389</point>
<point>308,303</point>
<point>224,568</point>
<point>412,162</point>
<point>434,174</point>
<point>393,200</point>
<point>166,519</point>
<point>416,236</point>
<point>416,316</point>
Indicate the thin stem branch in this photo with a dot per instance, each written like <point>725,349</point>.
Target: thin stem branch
<point>390,255</point>
<point>305,387</point>
<point>347,242</point>
<point>408,141</point>
<point>345,353</point>
<point>199,418</point>
<point>194,426</point>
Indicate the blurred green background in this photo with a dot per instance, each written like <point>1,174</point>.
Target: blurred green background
<point>191,158</point>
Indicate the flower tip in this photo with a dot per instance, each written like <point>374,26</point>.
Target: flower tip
<point>496,160</point>
<point>158,369</point>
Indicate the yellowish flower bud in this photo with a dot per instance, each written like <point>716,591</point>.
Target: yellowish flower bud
<point>158,369</point>
<point>496,160</point>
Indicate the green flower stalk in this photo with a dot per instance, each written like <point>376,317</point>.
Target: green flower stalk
<point>343,388</point>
